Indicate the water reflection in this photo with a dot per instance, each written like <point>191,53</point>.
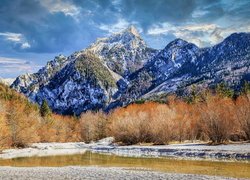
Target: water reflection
<point>230,169</point>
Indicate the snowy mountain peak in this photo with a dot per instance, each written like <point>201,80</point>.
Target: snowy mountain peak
<point>178,51</point>
<point>177,42</point>
<point>123,52</point>
<point>119,69</point>
<point>132,29</point>
<point>239,35</point>
<point>237,40</point>
<point>124,37</point>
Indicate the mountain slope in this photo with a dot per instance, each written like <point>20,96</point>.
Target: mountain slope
<point>87,79</point>
<point>166,63</point>
<point>183,64</point>
<point>29,84</point>
<point>120,69</point>
<point>84,84</point>
<point>123,52</point>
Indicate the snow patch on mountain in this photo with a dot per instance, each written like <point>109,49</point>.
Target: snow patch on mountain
<point>121,68</point>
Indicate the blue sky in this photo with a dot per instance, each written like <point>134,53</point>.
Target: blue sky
<point>34,31</point>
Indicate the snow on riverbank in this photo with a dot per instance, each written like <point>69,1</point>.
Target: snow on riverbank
<point>53,149</point>
<point>29,152</point>
<point>185,151</point>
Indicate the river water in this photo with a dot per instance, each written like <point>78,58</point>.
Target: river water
<point>228,169</point>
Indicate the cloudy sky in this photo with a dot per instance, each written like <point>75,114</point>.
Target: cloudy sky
<point>34,31</point>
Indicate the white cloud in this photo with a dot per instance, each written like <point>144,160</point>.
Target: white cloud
<point>16,38</point>
<point>55,6</point>
<point>199,34</point>
<point>199,13</point>
<point>120,25</point>
<point>166,28</point>
<point>15,66</point>
<point>117,5</point>
<point>163,28</point>
<point>25,45</point>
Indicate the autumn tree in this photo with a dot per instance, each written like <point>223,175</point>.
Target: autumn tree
<point>4,130</point>
<point>162,124</point>
<point>143,123</point>
<point>23,123</point>
<point>93,126</point>
<point>131,125</point>
<point>218,118</point>
<point>243,114</point>
<point>182,120</point>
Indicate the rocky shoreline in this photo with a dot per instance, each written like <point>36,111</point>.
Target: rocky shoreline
<point>190,151</point>
<point>233,152</point>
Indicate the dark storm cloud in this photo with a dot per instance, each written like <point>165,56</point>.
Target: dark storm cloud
<point>145,12</point>
<point>43,30</point>
<point>47,29</point>
<point>149,12</point>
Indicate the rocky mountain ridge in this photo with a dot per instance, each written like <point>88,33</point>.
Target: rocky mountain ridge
<point>120,69</point>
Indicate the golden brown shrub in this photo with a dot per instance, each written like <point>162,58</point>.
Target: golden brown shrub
<point>4,133</point>
<point>218,118</point>
<point>243,115</point>
<point>57,128</point>
<point>149,122</point>
<point>22,122</point>
<point>163,124</point>
<point>93,126</point>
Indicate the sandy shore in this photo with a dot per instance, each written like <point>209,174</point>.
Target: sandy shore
<point>42,173</point>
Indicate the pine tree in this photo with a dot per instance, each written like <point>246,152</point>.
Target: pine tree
<point>45,109</point>
<point>223,90</point>
<point>193,96</point>
<point>245,88</point>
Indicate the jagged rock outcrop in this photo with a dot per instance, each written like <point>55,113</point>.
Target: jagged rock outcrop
<point>163,66</point>
<point>88,79</point>
<point>120,69</point>
<point>123,52</point>
<point>182,64</point>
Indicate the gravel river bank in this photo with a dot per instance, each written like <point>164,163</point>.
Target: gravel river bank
<point>91,173</point>
<point>105,160</point>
